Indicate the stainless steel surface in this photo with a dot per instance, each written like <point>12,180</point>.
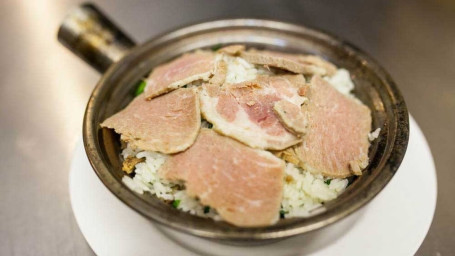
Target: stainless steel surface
<point>44,90</point>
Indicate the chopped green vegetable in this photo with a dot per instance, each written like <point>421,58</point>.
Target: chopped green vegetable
<point>206,123</point>
<point>216,47</point>
<point>328,181</point>
<point>140,88</point>
<point>185,86</point>
<point>282,213</point>
<point>206,209</point>
<point>176,203</point>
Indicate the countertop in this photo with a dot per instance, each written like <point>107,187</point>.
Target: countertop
<point>44,89</point>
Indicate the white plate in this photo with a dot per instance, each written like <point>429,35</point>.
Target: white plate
<point>394,223</point>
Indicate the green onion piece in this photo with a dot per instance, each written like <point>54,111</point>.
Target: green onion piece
<point>282,213</point>
<point>328,181</point>
<point>185,86</point>
<point>176,203</point>
<point>216,47</point>
<point>210,125</point>
<point>140,88</point>
<point>206,209</point>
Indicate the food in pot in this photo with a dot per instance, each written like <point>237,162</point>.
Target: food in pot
<point>244,136</point>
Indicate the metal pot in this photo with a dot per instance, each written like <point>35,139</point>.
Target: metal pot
<point>89,34</point>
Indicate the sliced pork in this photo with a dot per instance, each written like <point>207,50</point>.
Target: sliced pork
<point>168,124</point>
<point>234,49</point>
<point>330,69</point>
<point>220,73</point>
<point>290,116</point>
<point>244,111</point>
<point>244,185</point>
<point>179,72</point>
<point>336,141</point>
<point>300,64</point>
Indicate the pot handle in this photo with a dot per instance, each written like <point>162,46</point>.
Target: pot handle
<point>89,34</point>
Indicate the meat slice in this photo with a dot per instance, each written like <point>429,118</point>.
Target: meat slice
<point>179,72</point>
<point>234,49</point>
<point>244,185</point>
<point>300,64</point>
<point>220,73</point>
<point>244,111</point>
<point>336,141</point>
<point>319,62</point>
<point>290,116</point>
<point>168,124</point>
<point>288,155</point>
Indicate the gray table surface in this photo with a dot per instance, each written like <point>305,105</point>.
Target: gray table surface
<point>44,89</point>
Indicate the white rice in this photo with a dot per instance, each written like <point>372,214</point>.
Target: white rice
<point>239,70</point>
<point>303,193</point>
<point>374,135</point>
<point>341,81</point>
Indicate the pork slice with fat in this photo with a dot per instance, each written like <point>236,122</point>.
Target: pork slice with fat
<point>244,111</point>
<point>168,124</point>
<point>244,185</point>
